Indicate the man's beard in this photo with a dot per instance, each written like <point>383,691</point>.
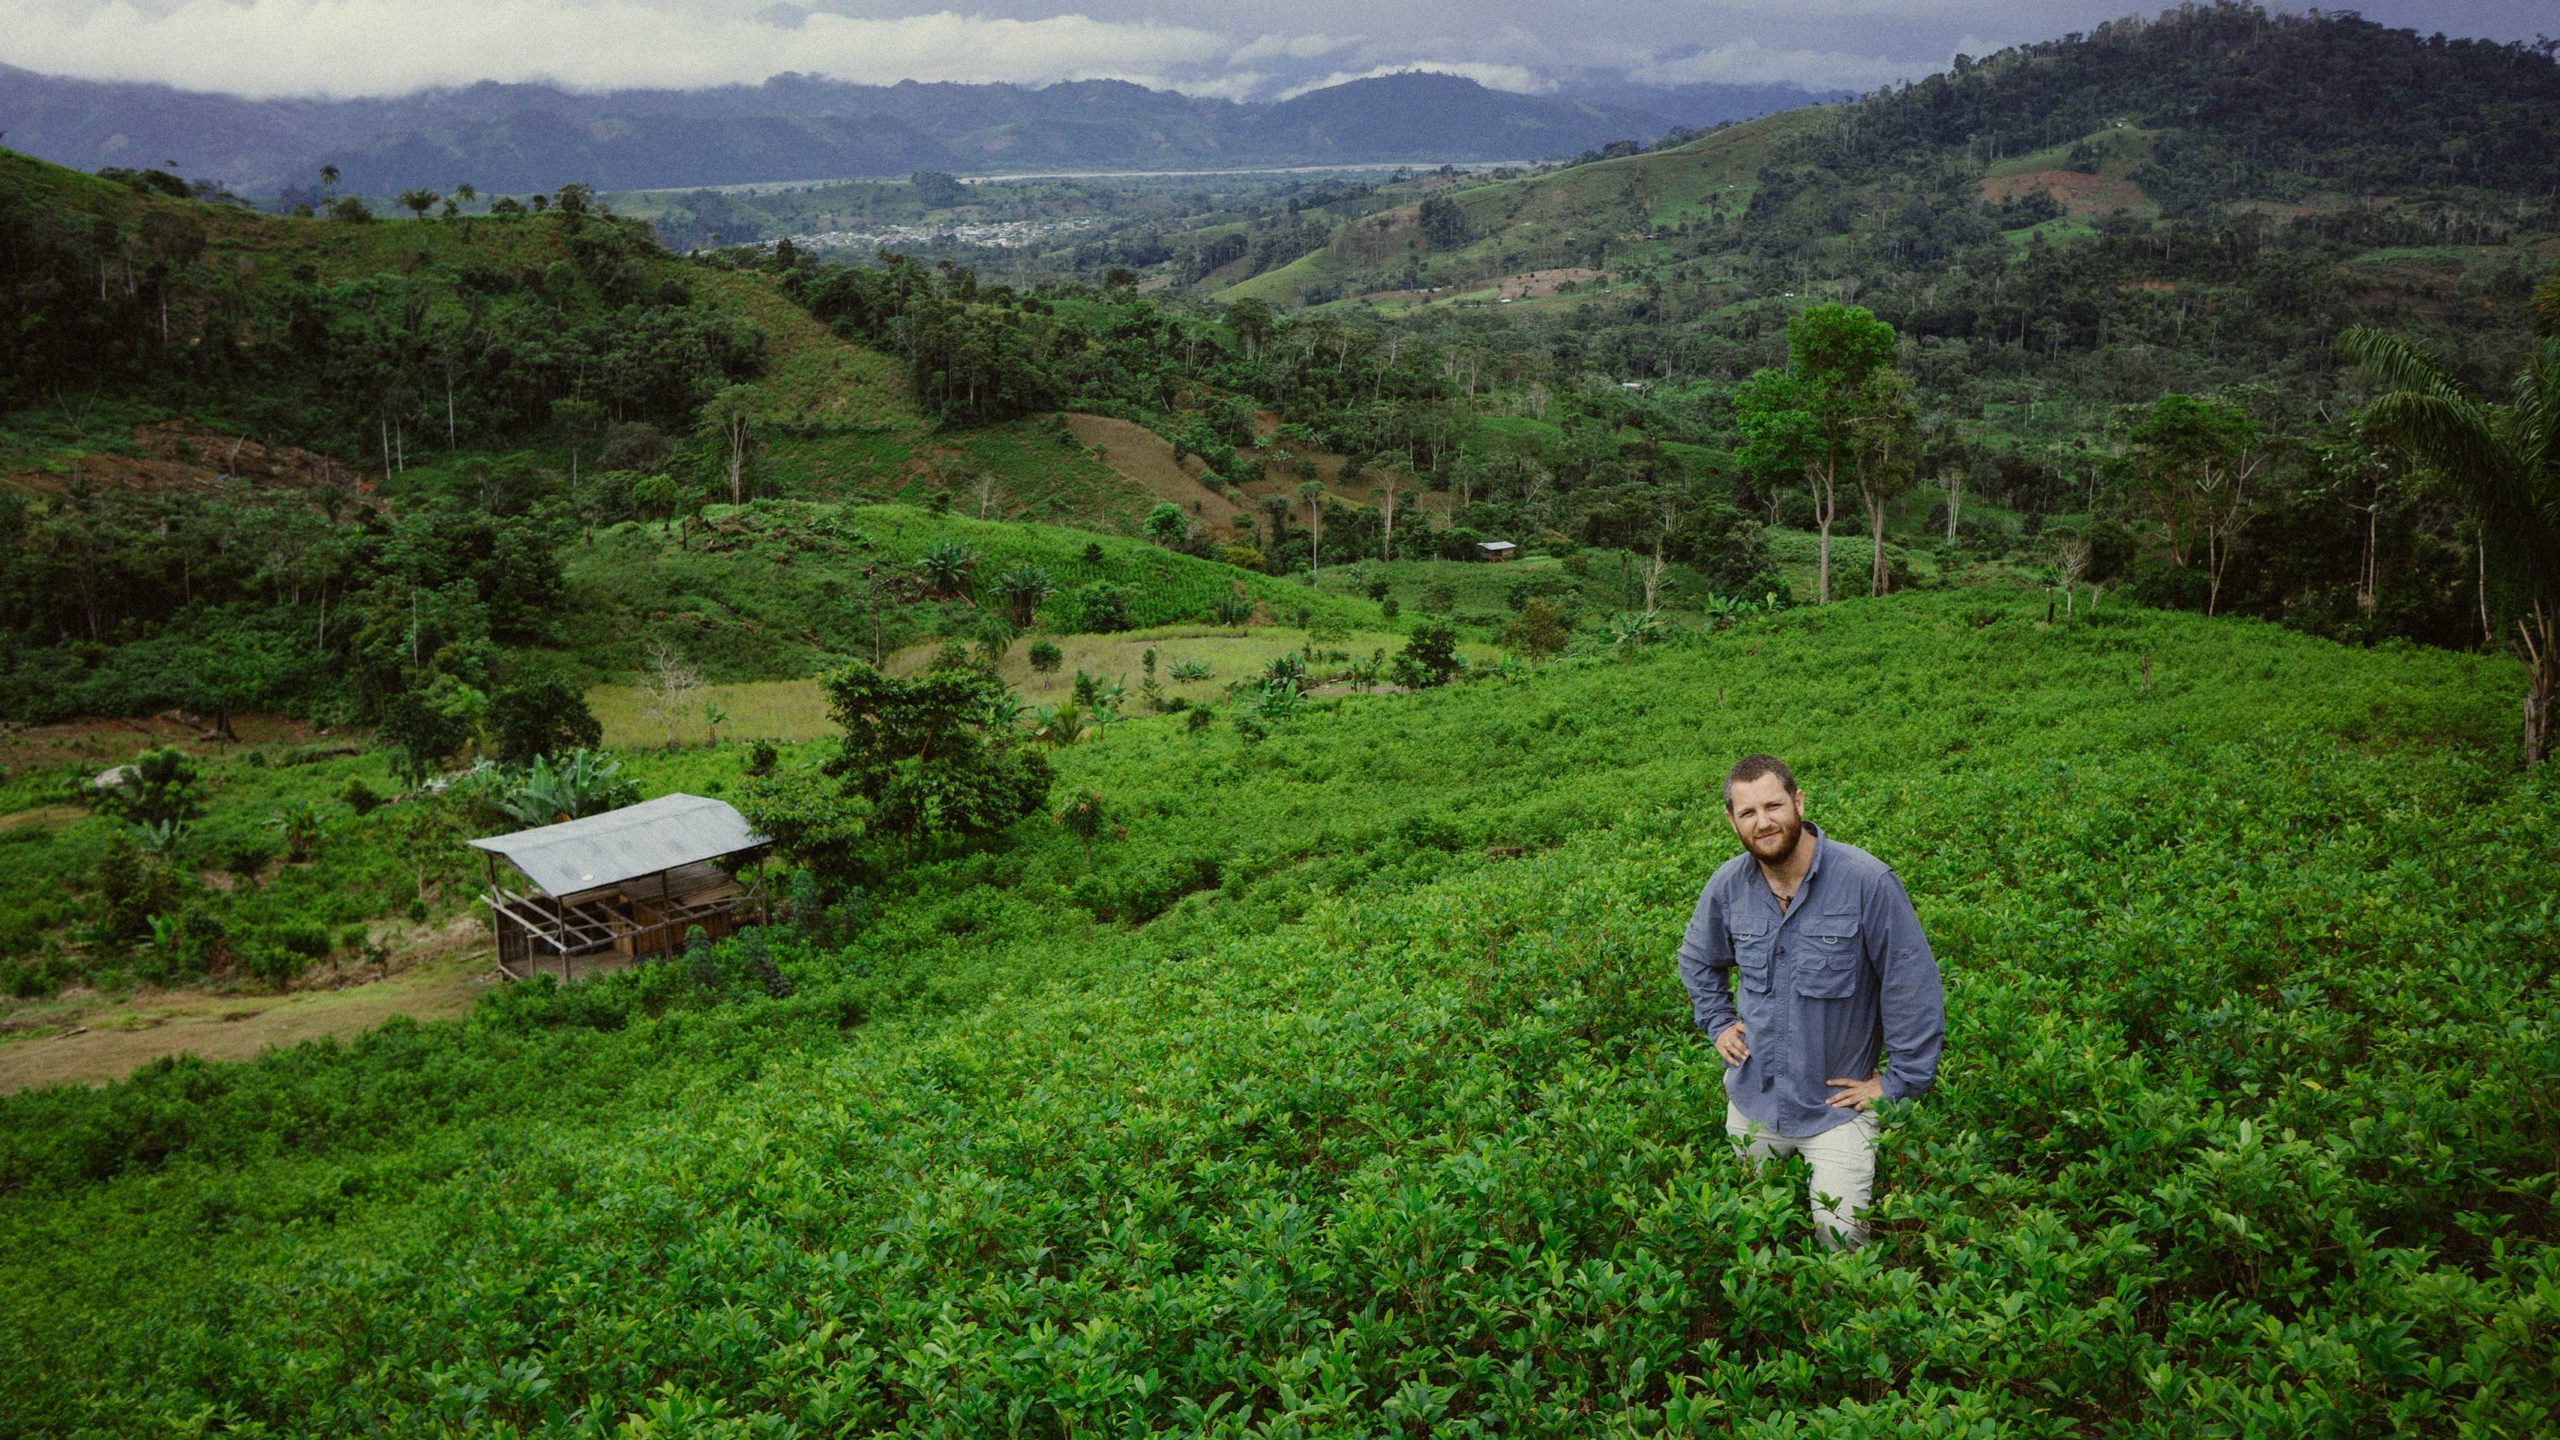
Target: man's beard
<point>1776,849</point>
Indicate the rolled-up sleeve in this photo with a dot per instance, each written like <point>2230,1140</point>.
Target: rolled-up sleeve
<point>1706,965</point>
<point>1913,1002</point>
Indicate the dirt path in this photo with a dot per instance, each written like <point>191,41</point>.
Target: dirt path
<point>94,1040</point>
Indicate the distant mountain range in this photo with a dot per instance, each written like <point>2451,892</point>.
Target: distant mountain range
<point>514,138</point>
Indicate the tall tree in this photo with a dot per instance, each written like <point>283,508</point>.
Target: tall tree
<point>1252,323</point>
<point>1832,351</point>
<point>2504,457</point>
<point>2191,463</point>
<point>1888,442</point>
<point>1312,492</point>
<point>729,425</point>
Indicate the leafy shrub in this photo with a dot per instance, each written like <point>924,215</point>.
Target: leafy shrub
<point>1046,657</point>
<point>1102,608</point>
<point>1135,893</point>
<point>298,824</point>
<point>361,798</point>
<point>247,857</point>
<point>1083,817</point>
<point>1537,632</point>
<point>1429,658</point>
<point>540,718</point>
<point>159,787</point>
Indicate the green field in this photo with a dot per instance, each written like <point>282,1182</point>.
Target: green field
<point>794,710</point>
<point>775,590</point>
<point>1344,1087</point>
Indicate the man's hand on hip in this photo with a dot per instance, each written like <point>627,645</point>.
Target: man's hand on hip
<point>1862,1094</point>
<point>1731,1045</point>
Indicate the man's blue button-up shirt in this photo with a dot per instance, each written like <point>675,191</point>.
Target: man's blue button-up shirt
<point>1827,987</point>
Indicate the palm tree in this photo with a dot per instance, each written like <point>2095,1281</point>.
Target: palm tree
<point>2504,458</point>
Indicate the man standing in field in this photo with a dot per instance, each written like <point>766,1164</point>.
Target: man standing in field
<point>1835,973</point>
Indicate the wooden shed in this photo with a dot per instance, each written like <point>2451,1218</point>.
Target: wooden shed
<point>1496,550</point>
<point>626,884</point>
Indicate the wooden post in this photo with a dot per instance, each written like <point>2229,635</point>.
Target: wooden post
<point>497,917</point>
<point>560,920</point>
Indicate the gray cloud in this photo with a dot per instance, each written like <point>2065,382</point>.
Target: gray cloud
<point>390,47</point>
<point>1205,47</point>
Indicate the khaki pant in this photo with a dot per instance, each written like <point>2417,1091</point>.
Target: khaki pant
<point>1844,1168</point>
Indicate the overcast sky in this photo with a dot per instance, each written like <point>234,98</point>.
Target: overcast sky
<point>1222,48</point>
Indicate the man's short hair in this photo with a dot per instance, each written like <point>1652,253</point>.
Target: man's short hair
<point>1756,767</point>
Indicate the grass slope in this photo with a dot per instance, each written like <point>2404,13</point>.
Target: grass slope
<point>1532,221</point>
<point>1381,1131</point>
<point>774,590</point>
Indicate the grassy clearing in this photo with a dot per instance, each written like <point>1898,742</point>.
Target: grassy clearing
<point>776,591</point>
<point>796,710</point>
<point>1587,585</point>
<point>1233,654</point>
<point>757,710</point>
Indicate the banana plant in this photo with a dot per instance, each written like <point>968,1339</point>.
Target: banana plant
<point>586,782</point>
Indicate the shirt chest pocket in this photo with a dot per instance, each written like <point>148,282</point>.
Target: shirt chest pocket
<point>1751,948</point>
<point>1828,957</point>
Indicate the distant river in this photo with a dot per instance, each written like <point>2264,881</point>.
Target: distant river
<point>760,186</point>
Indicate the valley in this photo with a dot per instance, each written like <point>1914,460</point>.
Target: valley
<point>1225,677</point>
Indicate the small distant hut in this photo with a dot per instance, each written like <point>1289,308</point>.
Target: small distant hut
<point>627,884</point>
<point>1497,550</point>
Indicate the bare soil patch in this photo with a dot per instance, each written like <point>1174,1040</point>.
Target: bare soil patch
<point>1539,284</point>
<point>85,1039</point>
<point>2079,194</point>
<point>180,455</point>
<point>108,741</point>
<point>1142,455</point>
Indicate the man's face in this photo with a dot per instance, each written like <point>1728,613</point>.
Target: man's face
<point>1766,818</point>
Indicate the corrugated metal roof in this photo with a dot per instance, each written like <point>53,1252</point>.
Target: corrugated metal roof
<point>624,844</point>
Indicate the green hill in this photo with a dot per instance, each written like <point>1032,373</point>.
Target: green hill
<point>2203,113</point>
<point>237,451</point>
<point>1350,1089</point>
